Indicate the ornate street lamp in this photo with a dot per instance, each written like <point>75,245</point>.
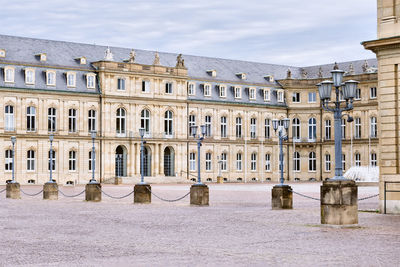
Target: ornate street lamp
<point>142,142</point>
<point>348,90</point>
<point>93,180</point>
<point>51,138</point>
<point>283,126</point>
<point>13,140</point>
<point>200,137</point>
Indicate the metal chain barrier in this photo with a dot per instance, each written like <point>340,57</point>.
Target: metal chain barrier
<point>168,200</point>
<point>31,195</point>
<point>364,198</point>
<point>71,195</point>
<point>3,190</point>
<point>300,194</point>
<point>127,195</point>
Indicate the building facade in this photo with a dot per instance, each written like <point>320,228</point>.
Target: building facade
<point>71,89</point>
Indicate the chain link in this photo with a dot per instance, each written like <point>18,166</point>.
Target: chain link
<point>3,190</point>
<point>71,195</point>
<point>167,200</point>
<point>124,196</point>
<point>364,198</point>
<point>31,195</point>
<point>300,194</point>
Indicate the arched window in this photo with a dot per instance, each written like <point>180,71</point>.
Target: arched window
<point>8,160</point>
<point>328,129</point>
<point>267,128</point>
<point>168,121</point>
<point>9,118</point>
<point>296,161</point>
<point>92,120</point>
<point>145,120</point>
<point>121,121</point>
<point>312,129</point>
<point>72,160</point>
<point>253,162</point>
<point>30,160</point>
<point>312,162</point>
<point>30,119</point>
<point>373,127</point>
<point>296,129</point>
<point>51,120</point>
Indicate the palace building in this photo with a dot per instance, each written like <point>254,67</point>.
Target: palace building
<point>71,89</point>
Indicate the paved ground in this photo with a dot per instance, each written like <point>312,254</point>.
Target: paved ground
<point>238,228</point>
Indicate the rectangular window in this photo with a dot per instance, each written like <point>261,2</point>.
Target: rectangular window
<point>267,128</point>
<point>223,162</point>
<point>72,161</point>
<point>71,81</point>
<point>8,160</point>
<point>8,74</point>
<point>238,127</point>
<point>327,162</point>
<point>91,160</point>
<point>207,90</point>
<point>192,161</point>
<point>208,125</point>
<point>52,160</point>
<point>168,88</point>
<point>238,92</point>
<point>373,127</point>
<point>191,89</point>
<point>223,127</point>
<point>145,86</point>
<point>30,76</point>
<point>253,162</point>
<point>358,159</point>
<point>253,127</point>
<point>90,81</point>
<point>192,121</point>
<point>267,95</point>
<point>343,128</point>
<point>296,97</point>
<point>372,93</point>
<point>51,120</point>
<point>328,129</point>
<point>296,161</point>
<point>222,91</point>
<point>208,161</point>
<point>121,84</point>
<point>312,97</point>
<point>30,160</point>
<point>72,120</point>
<point>238,161</point>
<point>280,96</point>
<point>9,118</point>
<point>358,94</point>
<point>252,93</point>
<point>374,161</point>
<point>92,120</point>
<point>50,78</point>
<point>267,162</point>
<point>357,128</point>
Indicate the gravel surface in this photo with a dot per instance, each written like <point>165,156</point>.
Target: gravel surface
<point>237,229</point>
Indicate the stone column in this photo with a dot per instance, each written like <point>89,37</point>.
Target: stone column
<point>199,195</point>
<point>339,204</point>
<point>142,194</point>
<point>281,197</point>
<point>93,192</point>
<point>50,191</point>
<point>13,191</point>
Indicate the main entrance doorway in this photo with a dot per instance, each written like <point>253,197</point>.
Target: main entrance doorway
<point>146,161</point>
<point>120,161</point>
<point>169,161</point>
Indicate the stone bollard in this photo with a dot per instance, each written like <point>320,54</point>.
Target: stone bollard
<point>339,202</point>
<point>50,191</point>
<point>93,192</point>
<point>13,191</point>
<point>282,197</point>
<point>220,179</point>
<point>142,193</point>
<point>199,195</point>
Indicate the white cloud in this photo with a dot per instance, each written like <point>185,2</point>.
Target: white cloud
<point>289,32</point>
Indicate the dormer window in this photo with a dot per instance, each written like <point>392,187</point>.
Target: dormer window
<point>222,90</point>
<point>191,89</point>
<point>71,79</point>
<point>42,56</point>
<point>2,53</point>
<point>207,90</point>
<point>51,78</point>
<point>252,93</point>
<point>269,78</point>
<point>90,80</point>
<point>238,92</point>
<point>81,60</point>
<point>29,76</point>
<point>241,75</point>
<point>212,73</point>
<point>280,96</point>
<point>267,94</point>
<point>9,74</point>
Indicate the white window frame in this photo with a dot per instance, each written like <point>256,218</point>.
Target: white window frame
<point>8,160</point>
<point>327,162</point>
<point>296,97</point>
<point>358,94</point>
<point>238,127</point>
<point>91,81</point>
<point>191,89</point>
<point>208,161</point>
<point>72,161</point>
<point>343,128</point>
<point>357,159</point>
<point>222,90</point>
<point>296,129</point>
<point>253,128</point>
<point>312,97</point>
<point>121,84</point>
<point>208,124</point>
<point>92,120</point>
<point>267,162</point>
<point>280,96</point>
<point>91,160</point>
<point>223,125</point>
<point>30,76</point>
<point>253,161</point>
<point>169,88</point>
<point>31,119</point>
<point>145,86</point>
<point>239,161</point>
<point>192,161</point>
<point>52,120</point>
<point>373,127</point>
<point>51,78</point>
<point>72,120</point>
<point>372,93</point>
<point>373,159</point>
<point>145,116</point>
<point>328,129</point>
<point>238,92</point>
<point>296,162</point>
<point>9,74</point>
<point>9,118</point>
<point>53,160</point>
<point>357,128</point>
<point>207,89</point>
<point>120,121</point>
<point>267,128</point>
<point>71,79</point>
<point>30,160</point>
<point>168,123</point>
<point>343,162</point>
<point>312,162</point>
<point>267,94</point>
<point>224,161</point>
<point>312,129</point>
<point>252,93</point>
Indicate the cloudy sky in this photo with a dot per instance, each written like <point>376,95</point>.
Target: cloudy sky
<point>292,32</point>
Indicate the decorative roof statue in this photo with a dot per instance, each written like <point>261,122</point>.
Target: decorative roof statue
<point>336,66</point>
<point>365,66</point>
<point>289,74</point>
<point>156,59</point>
<point>304,74</point>
<point>320,75</point>
<point>108,55</point>
<point>132,56</point>
<point>351,69</point>
<point>180,62</point>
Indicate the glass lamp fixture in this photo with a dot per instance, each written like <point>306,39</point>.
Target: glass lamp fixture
<point>141,132</point>
<point>203,129</point>
<point>193,130</point>
<point>325,89</point>
<point>275,124</point>
<point>286,123</point>
<point>337,77</point>
<point>350,88</point>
